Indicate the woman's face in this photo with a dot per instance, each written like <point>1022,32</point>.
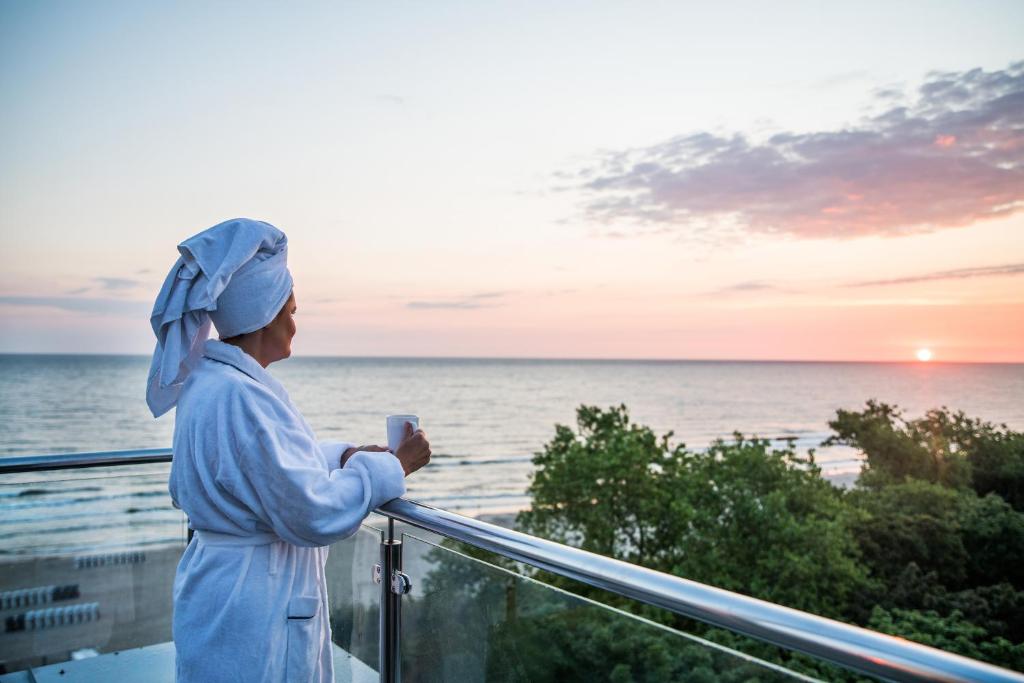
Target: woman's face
<point>277,336</point>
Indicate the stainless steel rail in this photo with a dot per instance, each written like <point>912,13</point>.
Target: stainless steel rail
<point>849,646</point>
<point>74,461</point>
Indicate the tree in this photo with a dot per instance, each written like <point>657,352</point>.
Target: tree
<point>997,465</point>
<point>952,632</point>
<point>914,522</point>
<point>941,529</point>
<point>898,449</point>
<point>943,447</point>
<point>741,515</point>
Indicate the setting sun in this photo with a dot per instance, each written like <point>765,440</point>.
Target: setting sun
<point>924,355</point>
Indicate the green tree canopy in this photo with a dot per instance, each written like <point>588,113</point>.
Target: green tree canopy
<point>740,515</point>
<point>943,447</point>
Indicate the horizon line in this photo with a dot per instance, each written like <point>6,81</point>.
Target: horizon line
<point>909,361</point>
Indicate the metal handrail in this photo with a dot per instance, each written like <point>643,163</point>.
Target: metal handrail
<point>74,461</point>
<point>856,648</point>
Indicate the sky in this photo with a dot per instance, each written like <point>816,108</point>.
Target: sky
<point>731,180</point>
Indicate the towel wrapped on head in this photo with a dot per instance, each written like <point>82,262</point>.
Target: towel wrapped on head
<point>234,275</point>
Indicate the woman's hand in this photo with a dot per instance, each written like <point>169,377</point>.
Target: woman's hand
<point>355,449</point>
<point>414,451</point>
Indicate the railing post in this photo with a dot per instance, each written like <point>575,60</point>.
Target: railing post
<point>390,606</point>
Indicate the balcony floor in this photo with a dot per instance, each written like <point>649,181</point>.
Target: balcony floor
<point>155,664</point>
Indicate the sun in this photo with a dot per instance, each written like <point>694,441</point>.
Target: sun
<point>924,355</point>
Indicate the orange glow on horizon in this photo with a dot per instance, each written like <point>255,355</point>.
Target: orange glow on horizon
<point>924,355</point>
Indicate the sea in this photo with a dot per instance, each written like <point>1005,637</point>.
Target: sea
<point>485,418</point>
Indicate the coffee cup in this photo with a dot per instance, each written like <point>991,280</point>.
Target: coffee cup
<point>396,429</point>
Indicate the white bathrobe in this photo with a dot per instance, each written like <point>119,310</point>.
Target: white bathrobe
<point>265,498</point>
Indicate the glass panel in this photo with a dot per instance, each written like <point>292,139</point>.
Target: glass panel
<point>355,605</point>
<point>88,560</point>
<point>376,522</point>
<point>467,620</point>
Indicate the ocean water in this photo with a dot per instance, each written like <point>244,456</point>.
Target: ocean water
<point>485,418</point>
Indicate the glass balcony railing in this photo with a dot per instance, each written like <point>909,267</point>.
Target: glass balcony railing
<point>90,543</point>
<point>355,596</point>
<point>465,619</point>
<point>88,562</point>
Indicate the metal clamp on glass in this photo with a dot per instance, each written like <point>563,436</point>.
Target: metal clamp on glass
<point>400,583</point>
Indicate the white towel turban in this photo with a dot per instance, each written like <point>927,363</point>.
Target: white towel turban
<point>234,274</point>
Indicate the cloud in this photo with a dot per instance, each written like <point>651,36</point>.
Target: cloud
<point>107,284</point>
<point>391,99</point>
<point>889,94</point>
<point>749,286</point>
<point>443,304</point>
<point>841,79</point>
<point>957,274</point>
<point>953,156</point>
<point>90,305</point>
<point>116,282</point>
<point>467,302</point>
<point>755,287</point>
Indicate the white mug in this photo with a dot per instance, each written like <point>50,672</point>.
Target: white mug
<point>396,429</point>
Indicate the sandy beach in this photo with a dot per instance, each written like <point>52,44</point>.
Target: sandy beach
<point>132,592</point>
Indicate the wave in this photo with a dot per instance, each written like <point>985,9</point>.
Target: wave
<point>77,515</point>
<point>63,549</point>
<point>467,461</point>
<point>44,492</point>
<point>83,500</point>
<point>134,523</point>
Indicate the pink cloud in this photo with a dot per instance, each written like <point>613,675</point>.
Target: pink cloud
<point>954,157</point>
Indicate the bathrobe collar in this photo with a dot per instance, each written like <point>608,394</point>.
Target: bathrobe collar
<point>229,354</point>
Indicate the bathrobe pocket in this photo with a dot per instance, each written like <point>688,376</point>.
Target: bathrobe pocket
<point>303,638</point>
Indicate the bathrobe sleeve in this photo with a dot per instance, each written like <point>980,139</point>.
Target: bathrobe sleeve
<point>332,451</point>
<point>281,475</point>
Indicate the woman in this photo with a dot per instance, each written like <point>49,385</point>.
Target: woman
<point>264,497</point>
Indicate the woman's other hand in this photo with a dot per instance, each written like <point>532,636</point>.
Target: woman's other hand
<point>355,449</point>
<point>414,451</point>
